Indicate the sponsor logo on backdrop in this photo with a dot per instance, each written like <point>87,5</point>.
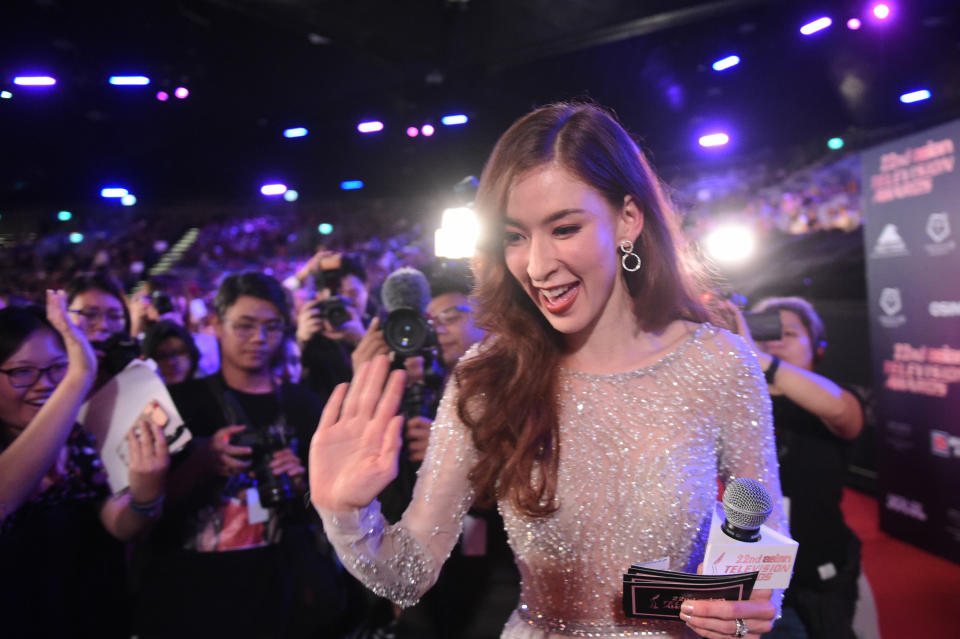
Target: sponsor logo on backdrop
<point>938,230</point>
<point>944,308</point>
<point>904,506</point>
<point>891,304</point>
<point>944,444</point>
<point>889,243</point>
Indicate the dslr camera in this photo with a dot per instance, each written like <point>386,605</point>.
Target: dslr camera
<point>274,490</point>
<point>334,310</point>
<point>764,326</point>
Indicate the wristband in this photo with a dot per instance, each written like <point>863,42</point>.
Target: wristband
<point>150,508</point>
<point>772,369</point>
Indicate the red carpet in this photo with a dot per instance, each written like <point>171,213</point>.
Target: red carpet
<point>917,593</point>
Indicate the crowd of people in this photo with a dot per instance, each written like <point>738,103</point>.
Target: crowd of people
<point>568,411</point>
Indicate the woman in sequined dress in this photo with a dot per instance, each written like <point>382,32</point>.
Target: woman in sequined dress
<point>598,414</point>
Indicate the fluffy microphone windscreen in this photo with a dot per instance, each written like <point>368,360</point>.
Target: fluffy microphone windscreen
<point>406,288</point>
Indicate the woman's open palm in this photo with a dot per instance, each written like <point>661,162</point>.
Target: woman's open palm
<point>353,453</point>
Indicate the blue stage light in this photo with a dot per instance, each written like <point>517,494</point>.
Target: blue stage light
<point>351,185</point>
<point>915,96</point>
<point>296,132</point>
<point>129,80</point>
<point>113,191</point>
<point>726,63</point>
<point>64,216</point>
<point>454,120</point>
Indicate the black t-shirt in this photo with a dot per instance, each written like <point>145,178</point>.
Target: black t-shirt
<point>213,568</point>
<point>813,464</point>
<point>61,573</point>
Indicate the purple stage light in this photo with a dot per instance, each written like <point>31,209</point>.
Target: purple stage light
<point>372,126</point>
<point>163,96</point>
<point>853,24</point>
<point>714,139</point>
<point>412,131</point>
<point>817,25</point>
<point>34,81</point>
<point>881,11</point>
<point>427,130</point>
<point>181,93</point>
<point>273,189</point>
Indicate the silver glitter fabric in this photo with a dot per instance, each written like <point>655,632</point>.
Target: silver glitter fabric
<point>640,455</point>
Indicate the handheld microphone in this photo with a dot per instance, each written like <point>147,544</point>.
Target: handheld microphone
<point>405,295</point>
<point>740,542</point>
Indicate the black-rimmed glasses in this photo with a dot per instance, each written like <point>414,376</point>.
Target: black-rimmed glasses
<point>26,376</point>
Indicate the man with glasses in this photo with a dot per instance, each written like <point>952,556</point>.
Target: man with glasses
<point>238,554</point>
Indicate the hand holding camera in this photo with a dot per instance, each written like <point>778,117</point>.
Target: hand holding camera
<point>230,459</point>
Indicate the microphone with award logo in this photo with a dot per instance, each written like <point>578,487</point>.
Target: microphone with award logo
<point>740,552</point>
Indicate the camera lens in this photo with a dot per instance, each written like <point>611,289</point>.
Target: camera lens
<point>405,331</point>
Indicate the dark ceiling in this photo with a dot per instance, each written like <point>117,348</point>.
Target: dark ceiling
<point>255,68</point>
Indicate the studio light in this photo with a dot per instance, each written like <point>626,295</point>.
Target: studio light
<point>730,243</point>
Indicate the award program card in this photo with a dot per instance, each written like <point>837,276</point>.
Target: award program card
<point>658,594</point>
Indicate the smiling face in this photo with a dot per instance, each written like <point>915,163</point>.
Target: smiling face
<point>20,405</point>
<point>560,245</point>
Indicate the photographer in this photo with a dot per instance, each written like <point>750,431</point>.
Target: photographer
<point>814,420</point>
<point>331,326</point>
<point>239,554</point>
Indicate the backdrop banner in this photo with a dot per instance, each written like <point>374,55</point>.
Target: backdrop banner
<point>912,206</point>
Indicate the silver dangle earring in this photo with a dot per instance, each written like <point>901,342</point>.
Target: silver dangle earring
<point>626,247</point>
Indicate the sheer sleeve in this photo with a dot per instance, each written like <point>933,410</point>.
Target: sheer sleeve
<point>746,442</point>
<point>402,561</point>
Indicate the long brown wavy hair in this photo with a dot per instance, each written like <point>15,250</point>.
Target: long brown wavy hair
<point>508,393</point>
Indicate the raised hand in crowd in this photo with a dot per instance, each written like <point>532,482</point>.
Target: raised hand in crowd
<point>61,382</point>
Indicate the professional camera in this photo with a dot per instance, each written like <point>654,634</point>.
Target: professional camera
<point>334,310</point>
<point>118,350</point>
<point>274,490</point>
<point>764,326</point>
<point>408,333</point>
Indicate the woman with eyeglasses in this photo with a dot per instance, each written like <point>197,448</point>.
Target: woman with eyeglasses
<point>62,573</point>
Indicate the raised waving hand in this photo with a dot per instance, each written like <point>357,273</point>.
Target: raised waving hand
<point>353,453</point>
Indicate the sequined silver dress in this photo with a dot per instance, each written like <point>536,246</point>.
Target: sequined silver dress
<point>640,455</point>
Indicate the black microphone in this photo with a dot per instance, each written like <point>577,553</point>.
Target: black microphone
<point>405,295</point>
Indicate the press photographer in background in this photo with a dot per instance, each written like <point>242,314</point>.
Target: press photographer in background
<point>331,325</point>
<point>62,574</point>
<point>815,421</point>
<point>238,553</point>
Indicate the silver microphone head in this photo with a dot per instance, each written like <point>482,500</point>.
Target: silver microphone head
<point>746,504</point>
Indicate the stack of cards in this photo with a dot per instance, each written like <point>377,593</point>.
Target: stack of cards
<point>658,594</point>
